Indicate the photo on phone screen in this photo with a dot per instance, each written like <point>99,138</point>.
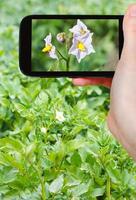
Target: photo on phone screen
<point>77,44</point>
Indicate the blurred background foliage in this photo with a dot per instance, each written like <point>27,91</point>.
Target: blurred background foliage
<point>47,156</point>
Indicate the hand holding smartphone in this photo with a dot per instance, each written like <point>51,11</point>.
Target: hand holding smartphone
<point>70,45</point>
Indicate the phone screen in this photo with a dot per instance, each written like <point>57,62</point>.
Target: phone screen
<point>74,44</point>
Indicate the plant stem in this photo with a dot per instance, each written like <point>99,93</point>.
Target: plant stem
<point>108,188</point>
<point>61,55</point>
<point>42,182</point>
<point>67,64</point>
<point>66,59</point>
<point>43,189</point>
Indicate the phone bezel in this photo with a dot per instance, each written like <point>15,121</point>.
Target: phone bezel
<point>25,41</point>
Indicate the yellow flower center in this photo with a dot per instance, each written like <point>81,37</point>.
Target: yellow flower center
<point>82,31</point>
<point>47,48</point>
<point>81,46</point>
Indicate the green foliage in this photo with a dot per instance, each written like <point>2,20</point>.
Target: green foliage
<point>56,158</point>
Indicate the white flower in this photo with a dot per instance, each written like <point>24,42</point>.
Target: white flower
<point>59,116</point>
<point>61,37</point>
<point>82,41</point>
<point>80,29</point>
<point>44,130</point>
<point>49,48</point>
<point>82,46</point>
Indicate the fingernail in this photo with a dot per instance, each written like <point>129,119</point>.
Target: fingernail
<point>133,11</point>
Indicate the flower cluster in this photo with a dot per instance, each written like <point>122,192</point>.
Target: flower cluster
<point>81,43</point>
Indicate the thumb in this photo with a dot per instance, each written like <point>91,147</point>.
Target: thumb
<point>129,28</point>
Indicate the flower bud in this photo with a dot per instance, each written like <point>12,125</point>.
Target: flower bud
<point>61,37</point>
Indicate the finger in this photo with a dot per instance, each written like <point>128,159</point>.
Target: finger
<point>93,81</point>
<point>129,28</point>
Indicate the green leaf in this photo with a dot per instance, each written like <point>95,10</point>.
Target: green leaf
<point>11,143</point>
<point>114,174</point>
<point>76,159</point>
<point>98,192</point>
<point>7,175</point>
<point>75,144</point>
<point>80,189</point>
<point>6,159</point>
<point>57,184</point>
<point>30,149</point>
<point>42,98</point>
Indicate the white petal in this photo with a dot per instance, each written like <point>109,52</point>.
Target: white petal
<point>59,116</point>
<point>52,53</point>
<point>48,39</point>
<point>83,54</point>
<point>78,56</point>
<point>90,49</point>
<point>74,29</point>
<point>81,25</point>
<point>43,129</point>
<point>76,32</point>
<point>77,28</point>
<point>86,38</point>
<point>72,50</point>
<point>88,43</point>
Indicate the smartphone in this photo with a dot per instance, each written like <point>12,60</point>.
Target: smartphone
<point>70,45</point>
